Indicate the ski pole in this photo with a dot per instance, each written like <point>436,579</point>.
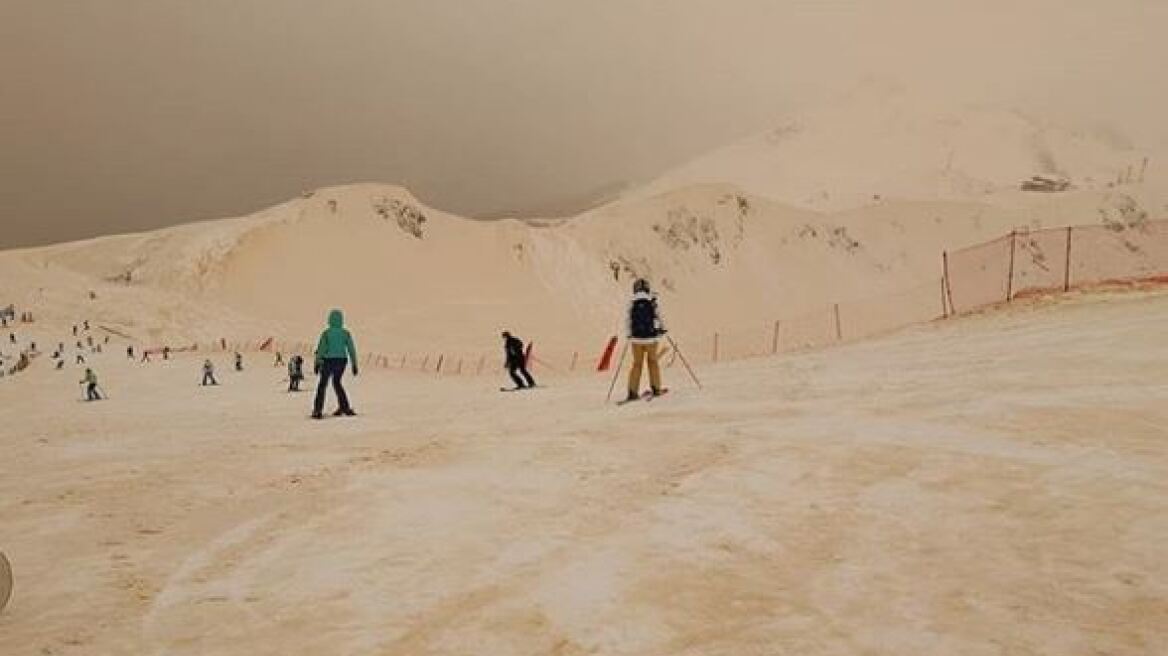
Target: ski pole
<point>616,374</point>
<point>684,361</point>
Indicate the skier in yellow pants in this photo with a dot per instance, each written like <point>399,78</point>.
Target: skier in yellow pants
<point>645,328</point>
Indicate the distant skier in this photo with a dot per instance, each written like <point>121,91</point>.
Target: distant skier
<point>87,325</point>
<point>145,355</point>
<point>130,352</point>
<point>165,352</point>
<point>295,373</point>
<point>80,359</point>
<point>74,330</point>
<point>645,327</point>
<point>516,361</point>
<point>238,361</point>
<point>333,352</point>
<point>279,359</point>
<point>90,382</point>
<point>209,374</point>
<point>12,337</point>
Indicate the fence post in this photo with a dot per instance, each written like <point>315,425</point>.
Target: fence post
<point>775,339</point>
<point>948,285</point>
<point>1067,271</point>
<point>425,361</point>
<point>839,333</point>
<point>1010,277</point>
<point>438,367</point>
<point>458,371</point>
<point>715,347</point>
<point>575,357</point>
<point>403,364</point>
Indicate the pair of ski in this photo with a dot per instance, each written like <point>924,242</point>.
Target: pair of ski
<point>646,396</point>
<point>517,389</point>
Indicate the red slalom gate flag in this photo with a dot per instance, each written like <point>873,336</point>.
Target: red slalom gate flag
<point>606,359</point>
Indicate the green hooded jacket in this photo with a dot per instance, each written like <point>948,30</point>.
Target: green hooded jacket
<point>335,341</point>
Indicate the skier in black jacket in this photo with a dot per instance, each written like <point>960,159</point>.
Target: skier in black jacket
<point>517,361</point>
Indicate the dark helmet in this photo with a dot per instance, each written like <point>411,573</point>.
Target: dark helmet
<point>506,334</point>
<point>640,285</point>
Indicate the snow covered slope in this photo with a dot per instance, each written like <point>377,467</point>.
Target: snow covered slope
<point>889,144</point>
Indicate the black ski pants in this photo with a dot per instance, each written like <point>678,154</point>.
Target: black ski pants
<point>331,369</point>
<point>519,373</point>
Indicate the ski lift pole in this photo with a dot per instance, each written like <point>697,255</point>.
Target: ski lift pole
<point>684,361</point>
<point>616,374</point>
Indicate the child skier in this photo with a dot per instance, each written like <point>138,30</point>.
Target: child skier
<point>90,382</point>
<point>209,374</point>
<point>295,373</point>
<point>238,361</point>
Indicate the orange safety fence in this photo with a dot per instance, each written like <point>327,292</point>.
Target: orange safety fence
<point>1021,263</point>
<point>1027,262</point>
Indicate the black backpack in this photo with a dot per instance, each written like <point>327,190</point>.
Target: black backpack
<point>643,318</point>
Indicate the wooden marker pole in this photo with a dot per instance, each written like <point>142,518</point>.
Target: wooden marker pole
<point>1010,276</point>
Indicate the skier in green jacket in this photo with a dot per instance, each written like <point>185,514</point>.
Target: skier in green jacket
<point>90,383</point>
<point>333,352</point>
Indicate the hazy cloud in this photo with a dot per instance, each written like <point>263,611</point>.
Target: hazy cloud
<point>127,114</point>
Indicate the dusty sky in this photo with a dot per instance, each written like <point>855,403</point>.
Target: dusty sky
<point>120,115</point>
